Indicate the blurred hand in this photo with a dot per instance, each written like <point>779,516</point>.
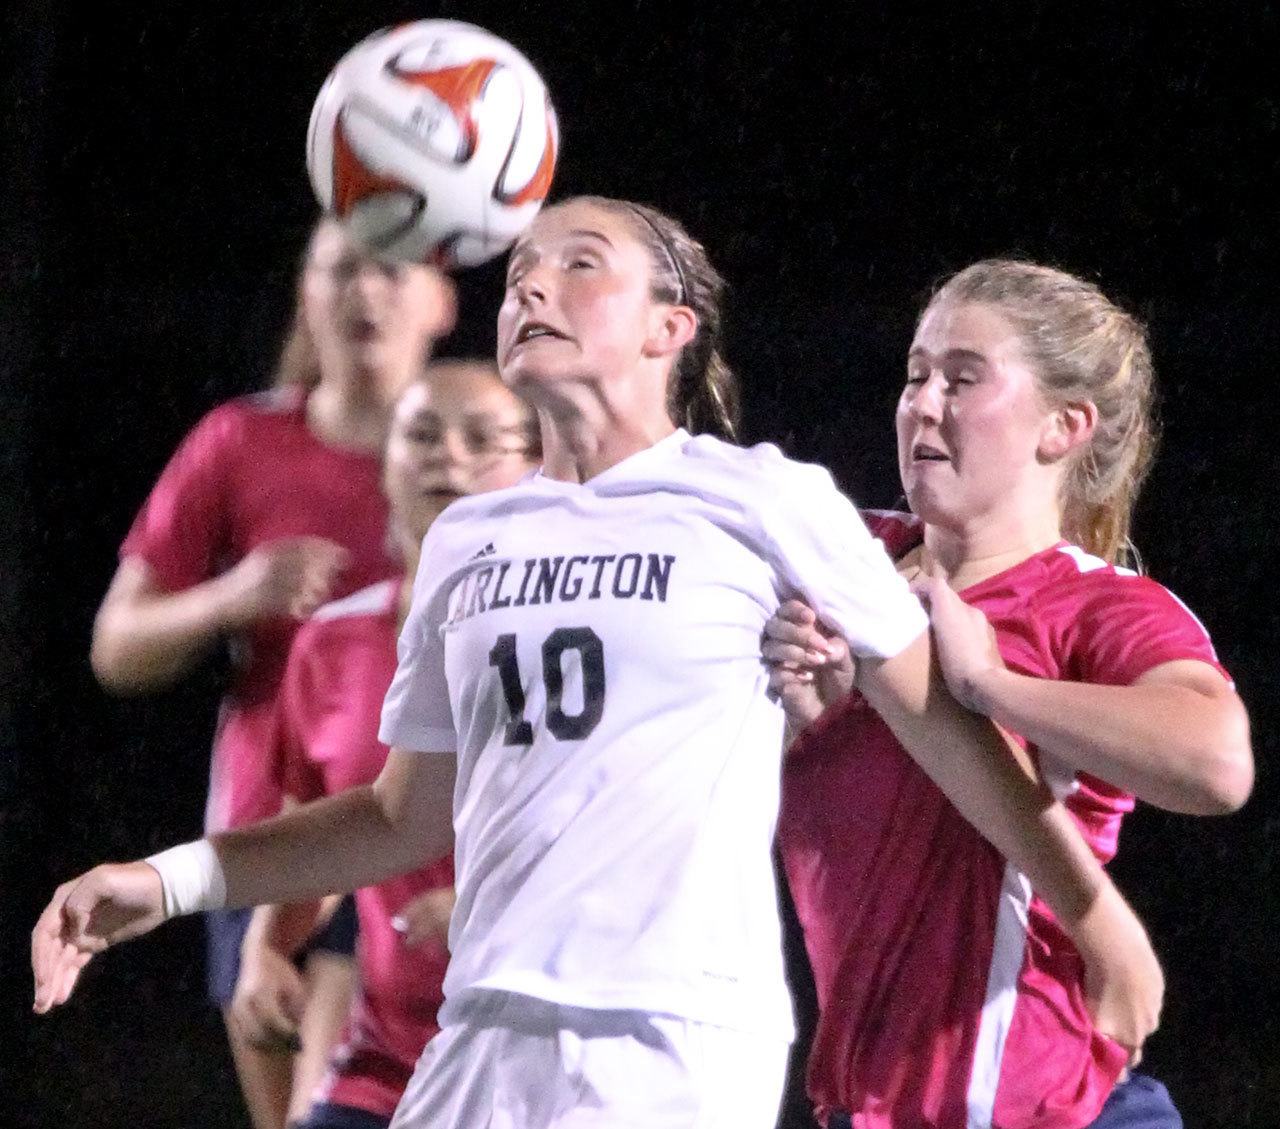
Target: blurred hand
<point>270,998</point>
<point>292,576</point>
<point>810,667</point>
<point>426,916</point>
<point>1124,984</point>
<point>964,640</point>
<point>102,907</point>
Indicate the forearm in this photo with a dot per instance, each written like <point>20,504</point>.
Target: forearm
<point>331,846</point>
<point>974,767</point>
<point>147,643</point>
<point>1171,745</point>
<point>282,926</point>
<point>992,785</point>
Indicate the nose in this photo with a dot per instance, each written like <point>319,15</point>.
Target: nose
<point>532,287</point>
<point>926,400</point>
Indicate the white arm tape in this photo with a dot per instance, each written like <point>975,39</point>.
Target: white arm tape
<point>191,877</point>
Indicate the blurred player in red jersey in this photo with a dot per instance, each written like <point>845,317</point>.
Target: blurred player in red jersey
<point>459,432</point>
<point>948,994</point>
<point>271,506</point>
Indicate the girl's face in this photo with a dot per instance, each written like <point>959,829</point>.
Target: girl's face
<point>458,432</point>
<point>376,317</point>
<point>577,303</point>
<point>971,421</point>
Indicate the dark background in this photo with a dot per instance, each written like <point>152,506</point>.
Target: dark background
<point>836,161</point>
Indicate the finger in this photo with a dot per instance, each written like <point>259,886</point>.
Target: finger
<point>797,612</point>
<point>776,652</point>
<point>784,631</point>
<point>780,681</point>
<point>46,937</point>
<point>70,977</point>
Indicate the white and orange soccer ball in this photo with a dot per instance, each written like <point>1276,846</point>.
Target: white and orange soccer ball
<point>434,142</point>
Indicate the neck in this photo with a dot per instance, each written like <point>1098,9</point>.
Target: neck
<point>977,550</point>
<point>349,413</point>
<point>586,435</point>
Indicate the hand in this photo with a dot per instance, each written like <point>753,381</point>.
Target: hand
<point>270,998</point>
<point>810,667</point>
<point>426,916</point>
<point>292,576</point>
<point>1123,983</point>
<point>965,642</point>
<point>108,904</point>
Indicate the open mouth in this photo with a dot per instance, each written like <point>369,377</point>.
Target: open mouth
<point>534,331</point>
<point>923,453</point>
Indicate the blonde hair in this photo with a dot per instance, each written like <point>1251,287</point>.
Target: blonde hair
<point>703,395</point>
<point>1081,346</point>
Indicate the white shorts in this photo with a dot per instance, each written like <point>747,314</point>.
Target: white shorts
<point>511,1062</point>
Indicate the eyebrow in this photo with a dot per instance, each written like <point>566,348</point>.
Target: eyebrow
<point>951,354</point>
<point>524,246</point>
<point>591,234</point>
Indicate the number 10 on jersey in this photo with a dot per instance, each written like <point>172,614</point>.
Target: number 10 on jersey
<point>563,726</point>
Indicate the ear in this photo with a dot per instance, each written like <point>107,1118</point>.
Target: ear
<point>1067,429</point>
<point>672,328</point>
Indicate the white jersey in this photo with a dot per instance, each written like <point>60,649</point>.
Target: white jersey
<point>592,653</point>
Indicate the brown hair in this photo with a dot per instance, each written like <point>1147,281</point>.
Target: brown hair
<point>1082,346</point>
<point>703,395</point>
<point>298,365</point>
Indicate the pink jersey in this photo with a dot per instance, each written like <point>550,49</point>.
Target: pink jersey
<point>251,472</point>
<point>949,995</point>
<point>338,673</point>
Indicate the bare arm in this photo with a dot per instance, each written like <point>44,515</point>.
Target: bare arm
<point>144,638</point>
<point>1178,737</point>
<point>994,786</point>
<point>402,821</point>
<point>270,993</point>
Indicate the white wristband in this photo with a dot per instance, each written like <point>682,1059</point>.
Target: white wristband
<point>191,878</point>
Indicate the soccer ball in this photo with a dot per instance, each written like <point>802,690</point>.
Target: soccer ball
<point>434,142</point>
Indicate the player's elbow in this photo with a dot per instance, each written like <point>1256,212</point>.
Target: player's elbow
<point>1226,759</point>
<point>113,663</point>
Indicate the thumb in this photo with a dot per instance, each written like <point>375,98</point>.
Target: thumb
<point>77,916</point>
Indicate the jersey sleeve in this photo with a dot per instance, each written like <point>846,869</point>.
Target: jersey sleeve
<point>823,551</point>
<point>1129,625</point>
<point>182,528</point>
<point>417,713</point>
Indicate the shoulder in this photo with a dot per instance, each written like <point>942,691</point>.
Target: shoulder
<point>1090,584</point>
<point>1119,621</point>
<point>762,476</point>
<point>248,418</point>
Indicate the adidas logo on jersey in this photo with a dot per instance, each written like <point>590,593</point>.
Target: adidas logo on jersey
<point>487,551</point>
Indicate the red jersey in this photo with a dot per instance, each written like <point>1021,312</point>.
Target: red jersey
<point>251,472</point>
<point>339,669</point>
<point>949,996</point>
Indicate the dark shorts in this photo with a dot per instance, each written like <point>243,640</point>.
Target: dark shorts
<point>1139,1102</point>
<point>224,930</point>
<point>324,1115</point>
